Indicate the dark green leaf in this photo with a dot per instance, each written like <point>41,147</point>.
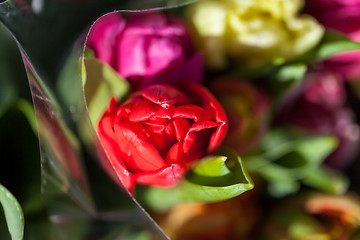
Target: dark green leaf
<point>214,178</point>
<point>286,77</point>
<point>13,214</point>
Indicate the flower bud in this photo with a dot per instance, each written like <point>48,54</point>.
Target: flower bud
<point>246,107</point>
<point>159,132</point>
<point>146,48</point>
<point>319,107</point>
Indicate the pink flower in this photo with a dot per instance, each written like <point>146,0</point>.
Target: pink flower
<point>319,107</point>
<point>347,64</point>
<point>343,16</point>
<point>146,48</point>
<point>159,132</point>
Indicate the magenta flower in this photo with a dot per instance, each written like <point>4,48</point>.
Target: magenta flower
<point>319,107</point>
<point>146,48</point>
<point>342,16</point>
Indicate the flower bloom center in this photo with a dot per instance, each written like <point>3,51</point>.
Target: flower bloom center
<point>168,131</point>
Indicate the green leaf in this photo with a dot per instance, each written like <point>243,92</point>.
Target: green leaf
<point>102,83</point>
<point>327,180</point>
<point>301,225</point>
<point>286,77</point>
<point>291,73</point>
<point>13,214</point>
<point>283,188</point>
<point>331,44</point>
<point>214,178</point>
<point>286,158</point>
<point>334,43</point>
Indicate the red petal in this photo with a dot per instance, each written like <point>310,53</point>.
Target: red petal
<point>201,96</point>
<point>188,142</point>
<point>196,127</point>
<point>193,112</point>
<point>175,153</point>
<point>141,110</point>
<point>165,112</point>
<point>165,95</point>
<point>137,154</point>
<point>220,115</point>
<point>161,143</point>
<point>166,177</point>
<point>181,127</point>
<point>217,138</point>
<point>170,132</point>
<point>110,146</point>
<point>156,126</point>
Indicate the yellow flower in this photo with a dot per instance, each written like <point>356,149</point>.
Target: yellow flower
<point>252,32</point>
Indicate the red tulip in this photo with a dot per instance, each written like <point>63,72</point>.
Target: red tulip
<point>161,131</point>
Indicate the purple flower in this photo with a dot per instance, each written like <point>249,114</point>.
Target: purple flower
<point>319,108</point>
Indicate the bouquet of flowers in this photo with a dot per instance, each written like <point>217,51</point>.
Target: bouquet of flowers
<point>215,119</point>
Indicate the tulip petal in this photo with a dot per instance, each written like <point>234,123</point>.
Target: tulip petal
<point>196,127</point>
<point>164,55</point>
<point>188,142</point>
<point>146,23</point>
<point>165,112</point>
<point>170,132</point>
<point>156,126</point>
<point>131,55</point>
<point>191,71</point>
<point>181,127</point>
<point>166,177</point>
<point>192,112</point>
<point>138,154</point>
<point>204,98</point>
<point>141,110</point>
<point>217,138</point>
<point>111,149</point>
<point>165,95</point>
<point>175,153</point>
<point>102,37</point>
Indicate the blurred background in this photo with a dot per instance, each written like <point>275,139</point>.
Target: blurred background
<point>20,169</point>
